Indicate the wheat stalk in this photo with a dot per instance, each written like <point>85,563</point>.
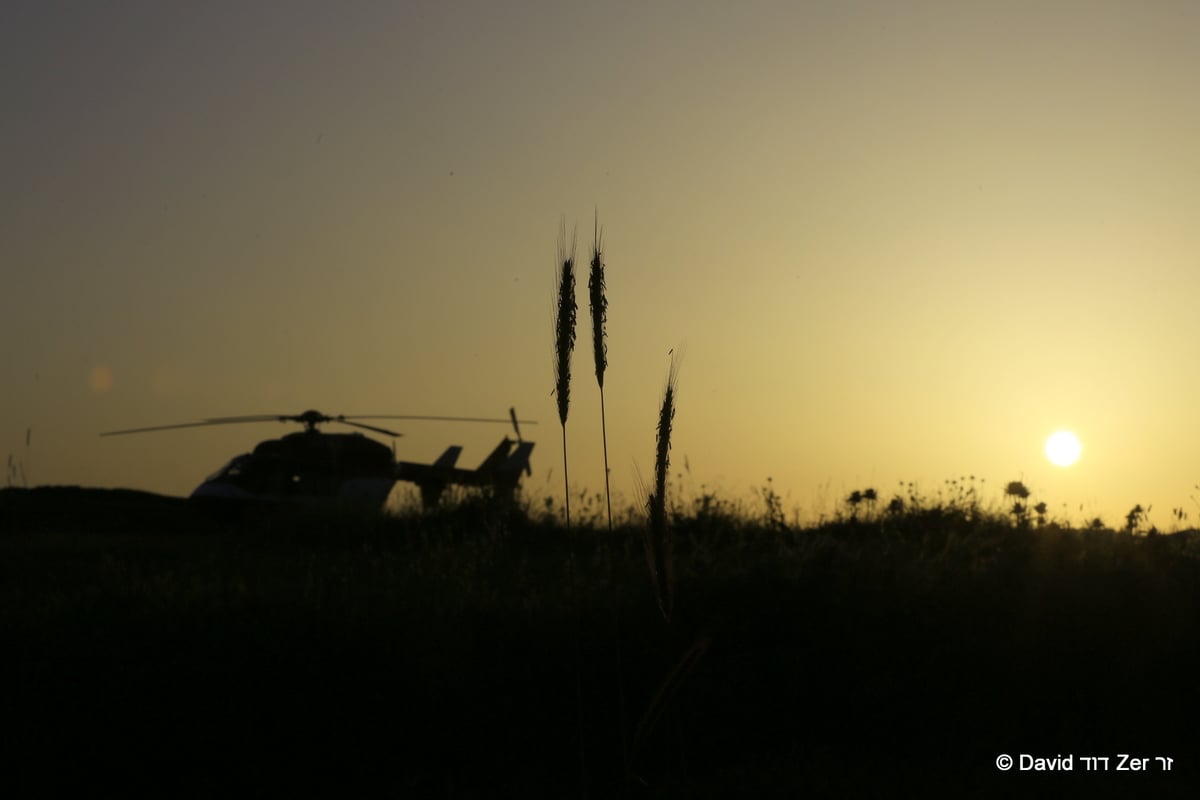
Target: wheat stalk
<point>666,691</point>
<point>564,343</point>
<point>657,538</point>
<point>599,306</point>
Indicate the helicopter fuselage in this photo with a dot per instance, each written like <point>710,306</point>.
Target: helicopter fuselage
<point>308,464</point>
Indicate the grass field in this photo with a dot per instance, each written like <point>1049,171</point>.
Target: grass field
<point>478,653</point>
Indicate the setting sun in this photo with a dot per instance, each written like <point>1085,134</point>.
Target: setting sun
<point>1063,448</point>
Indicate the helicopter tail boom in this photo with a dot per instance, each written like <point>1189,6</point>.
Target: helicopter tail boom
<point>501,470</point>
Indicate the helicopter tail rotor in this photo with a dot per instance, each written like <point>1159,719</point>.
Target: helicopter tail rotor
<point>512,412</point>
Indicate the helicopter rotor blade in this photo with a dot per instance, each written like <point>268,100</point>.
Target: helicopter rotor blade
<point>435,418</point>
<point>219,421</point>
<point>367,427</point>
<point>313,418</point>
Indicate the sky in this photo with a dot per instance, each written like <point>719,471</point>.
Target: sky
<point>896,241</point>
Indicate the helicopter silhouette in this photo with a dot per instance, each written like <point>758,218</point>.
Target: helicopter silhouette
<point>313,465</point>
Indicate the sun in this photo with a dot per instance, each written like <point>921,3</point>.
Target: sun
<point>1063,448</point>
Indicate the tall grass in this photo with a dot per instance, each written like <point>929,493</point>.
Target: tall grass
<point>564,344</point>
<point>16,467</point>
<point>952,602</point>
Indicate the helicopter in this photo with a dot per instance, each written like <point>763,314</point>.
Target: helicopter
<point>312,465</point>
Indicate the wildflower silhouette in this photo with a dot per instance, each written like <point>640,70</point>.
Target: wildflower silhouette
<point>1018,490</point>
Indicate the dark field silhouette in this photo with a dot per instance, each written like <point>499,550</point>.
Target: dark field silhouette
<point>470,652</point>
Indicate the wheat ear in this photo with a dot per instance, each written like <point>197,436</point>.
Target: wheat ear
<point>599,306</point>
<point>658,533</point>
<point>564,343</point>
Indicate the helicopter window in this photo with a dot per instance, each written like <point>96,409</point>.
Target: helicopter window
<point>231,470</point>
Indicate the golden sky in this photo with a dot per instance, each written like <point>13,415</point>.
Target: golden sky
<point>899,241</point>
